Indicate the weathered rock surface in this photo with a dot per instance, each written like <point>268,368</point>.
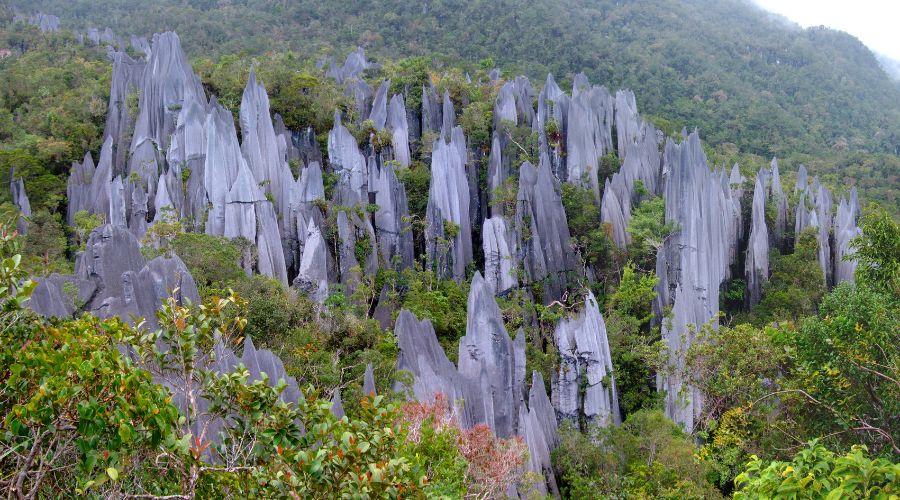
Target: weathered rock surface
<point>392,229</point>
<point>845,230</point>
<point>312,277</point>
<point>20,200</point>
<point>543,231</point>
<point>585,364</point>
<point>499,255</point>
<point>448,205</point>
<point>693,262</point>
<point>757,260</point>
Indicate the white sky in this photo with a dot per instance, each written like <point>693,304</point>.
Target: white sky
<point>875,22</point>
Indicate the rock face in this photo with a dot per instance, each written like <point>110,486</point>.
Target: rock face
<point>542,230</point>
<point>499,255</point>
<point>312,277</point>
<point>398,124</point>
<point>392,229</point>
<point>490,378</point>
<point>112,278</point>
<point>693,262</point>
<point>126,81</point>
<point>448,209</point>
<point>346,160</point>
<point>552,122</point>
<point>845,230</point>
<point>20,201</point>
<point>780,202</point>
<point>589,135</point>
<point>757,261</point>
<point>354,66</point>
<point>585,362</point>
<point>486,354</point>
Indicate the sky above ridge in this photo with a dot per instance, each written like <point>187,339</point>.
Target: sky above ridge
<point>874,22</point>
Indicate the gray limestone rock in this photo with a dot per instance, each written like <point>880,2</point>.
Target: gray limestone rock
<point>693,262</point>
<point>354,66</point>
<point>585,361</point>
<point>312,277</point>
<point>126,81</point>
<point>448,203</point>
<point>398,124</point>
<point>337,406</point>
<point>392,231</point>
<point>757,260</point>
<point>345,158</point>
<point>431,110</point>
<point>223,160</point>
<point>499,255</point>
<point>845,230</point>
<point>780,202</point>
<point>486,354</point>
<point>20,200</point>
<point>553,115</point>
<point>589,136</point>
<point>78,187</point>
<point>543,231</point>
<point>368,387</point>
<point>379,112</point>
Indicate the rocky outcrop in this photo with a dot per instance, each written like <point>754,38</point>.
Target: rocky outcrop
<point>778,200</point>
<point>486,354</point>
<point>398,124</point>
<point>448,209</point>
<point>112,278</point>
<point>47,23</point>
<point>126,81</point>
<point>392,228</point>
<point>499,255</point>
<point>585,366</point>
<point>312,276</point>
<point>757,260</point>
<point>20,201</point>
<point>845,230</point>
<point>543,231</point>
<point>588,135</point>
<point>693,262</point>
<point>379,112</point>
<point>78,187</point>
<point>552,123</point>
<point>354,66</point>
<point>345,158</point>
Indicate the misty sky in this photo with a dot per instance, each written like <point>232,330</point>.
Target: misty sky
<point>874,22</point>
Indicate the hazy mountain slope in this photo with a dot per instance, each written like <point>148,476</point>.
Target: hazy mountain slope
<point>725,67</point>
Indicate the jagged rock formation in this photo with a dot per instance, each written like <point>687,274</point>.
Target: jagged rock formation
<point>845,230</point>
<point>693,262</point>
<point>486,354</point>
<point>757,261</point>
<point>589,133</point>
<point>552,122</point>
<point>392,229</point>
<point>499,251</point>
<point>345,158</point>
<point>398,124</point>
<point>312,277</point>
<point>112,278</point>
<point>355,64</point>
<point>448,208</point>
<point>368,387</point>
<point>780,202</point>
<point>585,363</point>
<point>47,23</point>
<point>20,201</point>
<point>542,230</point>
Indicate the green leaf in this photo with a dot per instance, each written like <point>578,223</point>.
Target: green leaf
<point>112,473</point>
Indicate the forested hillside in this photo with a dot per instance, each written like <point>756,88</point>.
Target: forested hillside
<point>724,67</point>
<point>247,260</point>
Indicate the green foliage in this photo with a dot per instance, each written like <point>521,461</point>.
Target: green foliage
<point>85,223</point>
<point>817,472</point>
<point>444,302</point>
<point>214,261</point>
<point>647,457</point>
<point>877,251</point>
<point>648,228</point>
<point>589,236</point>
<point>796,284</point>
<point>630,337</point>
<point>847,364</point>
<point>45,243</point>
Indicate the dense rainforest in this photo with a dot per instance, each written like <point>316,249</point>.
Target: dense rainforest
<point>304,379</point>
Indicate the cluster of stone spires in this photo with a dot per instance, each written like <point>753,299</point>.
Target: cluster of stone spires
<point>179,153</point>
